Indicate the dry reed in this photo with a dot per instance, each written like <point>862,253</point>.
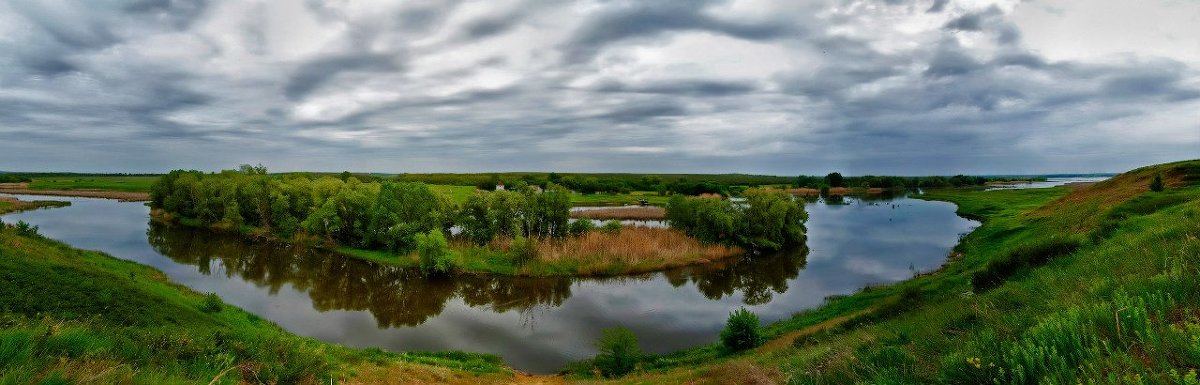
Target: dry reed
<point>627,212</point>
<point>633,249</point>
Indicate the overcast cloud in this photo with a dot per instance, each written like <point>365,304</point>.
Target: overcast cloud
<point>757,86</point>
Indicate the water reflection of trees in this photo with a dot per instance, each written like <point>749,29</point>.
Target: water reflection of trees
<point>395,296</point>
<point>405,297</point>
<point>759,278</point>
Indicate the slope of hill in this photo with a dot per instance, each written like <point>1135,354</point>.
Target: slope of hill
<point>1096,285</point>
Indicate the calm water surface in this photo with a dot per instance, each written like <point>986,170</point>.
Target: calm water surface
<point>536,325</point>
<point>1050,182</point>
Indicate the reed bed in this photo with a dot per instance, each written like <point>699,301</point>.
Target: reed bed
<point>628,212</point>
<point>631,250</point>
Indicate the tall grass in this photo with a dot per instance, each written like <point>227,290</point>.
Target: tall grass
<point>633,213</point>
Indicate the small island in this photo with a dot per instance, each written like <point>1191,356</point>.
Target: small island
<point>527,231</point>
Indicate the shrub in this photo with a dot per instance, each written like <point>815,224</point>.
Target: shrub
<point>618,352</point>
<point>211,303</point>
<point>26,229</point>
<point>435,253</point>
<point>581,226</point>
<point>612,227</point>
<point>522,249</point>
<point>1157,183</point>
<point>1021,259</point>
<point>742,331</point>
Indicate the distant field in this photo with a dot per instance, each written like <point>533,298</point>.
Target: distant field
<point>112,183</point>
<point>458,194</point>
<point>618,199</point>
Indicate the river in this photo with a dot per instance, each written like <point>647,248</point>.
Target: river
<point>536,325</point>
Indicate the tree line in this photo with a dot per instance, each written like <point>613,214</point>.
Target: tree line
<point>377,215</point>
<point>768,219</point>
<point>835,179</point>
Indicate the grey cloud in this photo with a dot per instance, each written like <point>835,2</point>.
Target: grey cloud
<point>85,81</point>
<point>648,20</point>
<point>179,14</point>
<point>968,22</point>
<point>949,60</point>
<point>938,6</point>
<point>639,112</point>
<point>312,75</point>
<point>690,87</point>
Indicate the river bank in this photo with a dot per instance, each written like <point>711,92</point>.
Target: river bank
<point>14,205</point>
<point>124,196</point>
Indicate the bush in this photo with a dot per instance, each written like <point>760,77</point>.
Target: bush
<point>25,229</point>
<point>612,227</point>
<point>581,227</point>
<point>742,331</point>
<point>435,253</point>
<point>618,352</point>
<point>522,249</point>
<point>1157,183</point>
<point>211,303</point>
<point>1020,259</point>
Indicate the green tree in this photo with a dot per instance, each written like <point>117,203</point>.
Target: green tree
<point>742,331</point>
<point>1157,183</point>
<point>771,219</point>
<point>618,352</point>
<point>835,179</point>
<point>434,252</point>
<point>474,217</point>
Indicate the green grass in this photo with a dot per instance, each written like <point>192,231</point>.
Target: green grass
<point>81,315</point>
<point>110,183</point>
<point>1121,308</point>
<point>618,199</point>
<point>457,194</point>
<point>10,205</point>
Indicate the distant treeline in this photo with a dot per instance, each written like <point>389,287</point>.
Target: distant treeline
<point>380,215</point>
<point>689,184</point>
<point>71,174</point>
<point>14,178</point>
<point>900,182</point>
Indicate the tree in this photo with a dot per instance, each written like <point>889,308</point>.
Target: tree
<point>618,352</point>
<point>771,219</point>
<point>475,219</point>
<point>434,252</point>
<point>742,331</point>
<point>835,179</point>
<point>1157,183</point>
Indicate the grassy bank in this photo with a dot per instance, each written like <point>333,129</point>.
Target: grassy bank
<point>97,182</point>
<point>75,316</point>
<point>630,250</point>
<point>1097,285</point>
<point>12,205</point>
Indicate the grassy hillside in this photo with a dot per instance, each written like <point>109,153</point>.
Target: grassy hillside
<point>73,316</point>
<point>1098,285</point>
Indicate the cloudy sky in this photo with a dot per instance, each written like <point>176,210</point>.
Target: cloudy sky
<point>757,86</point>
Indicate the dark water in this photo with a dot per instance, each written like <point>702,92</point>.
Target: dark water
<point>536,325</point>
